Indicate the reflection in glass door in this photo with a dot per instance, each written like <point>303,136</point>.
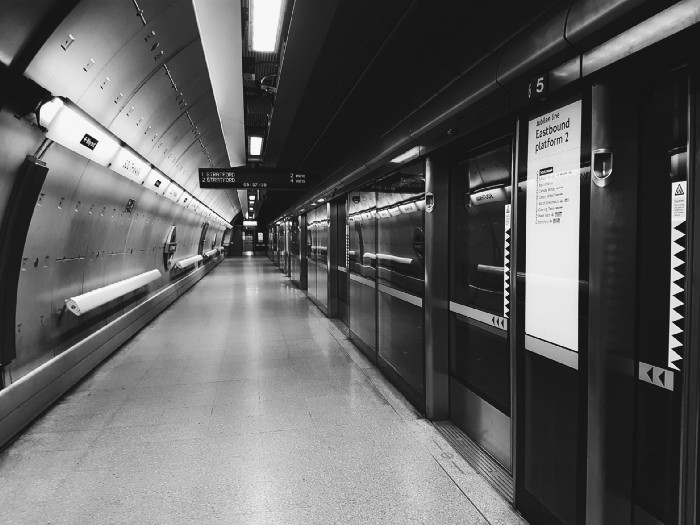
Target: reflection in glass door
<point>401,279</point>
<point>479,300</point>
<point>362,267</point>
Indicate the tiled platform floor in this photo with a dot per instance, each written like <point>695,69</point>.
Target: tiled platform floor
<point>240,404</point>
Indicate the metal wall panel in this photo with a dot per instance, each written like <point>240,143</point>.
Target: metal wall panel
<point>82,237</point>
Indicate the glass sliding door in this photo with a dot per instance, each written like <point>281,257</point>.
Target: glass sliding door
<point>480,364</point>
<point>362,267</point>
<point>321,254</point>
<point>294,251</point>
<point>400,268</point>
<point>311,240</point>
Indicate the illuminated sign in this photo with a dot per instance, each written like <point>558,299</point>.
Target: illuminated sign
<point>245,178</point>
<point>250,224</point>
<point>553,224</point>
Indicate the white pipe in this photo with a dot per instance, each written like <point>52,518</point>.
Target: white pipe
<point>212,253</point>
<point>81,304</point>
<point>184,263</point>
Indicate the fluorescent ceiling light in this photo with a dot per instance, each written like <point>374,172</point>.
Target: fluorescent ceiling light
<point>409,155</point>
<point>321,200</point>
<point>255,146</point>
<point>265,16</point>
<point>251,197</point>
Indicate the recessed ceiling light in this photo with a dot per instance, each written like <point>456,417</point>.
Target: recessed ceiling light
<point>408,155</point>
<point>255,146</point>
<point>265,19</point>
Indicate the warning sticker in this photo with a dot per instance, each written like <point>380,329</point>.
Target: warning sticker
<point>676,321</point>
<point>678,212</point>
<point>506,264</point>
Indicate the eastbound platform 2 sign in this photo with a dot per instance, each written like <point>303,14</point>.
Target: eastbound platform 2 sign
<point>246,178</point>
<point>553,230</point>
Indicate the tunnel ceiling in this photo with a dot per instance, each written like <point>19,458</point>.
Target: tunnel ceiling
<point>378,62</point>
<point>348,72</point>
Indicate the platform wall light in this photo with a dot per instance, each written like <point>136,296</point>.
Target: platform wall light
<point>411,154</point>
<point>265,21</point>
<point>82,304</point>
<point>255,146</point>
<point>129,165</point>
<point>70,127</point>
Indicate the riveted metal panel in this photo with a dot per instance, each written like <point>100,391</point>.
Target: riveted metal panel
<point>142,56</point>
<point>100,28</point>
<point>90,241</point>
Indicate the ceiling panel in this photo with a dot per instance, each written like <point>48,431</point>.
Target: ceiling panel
<point>100,28</point>
<point>152,8</point>
<point>135,127</point>
<point>141,57</point>
<point>156,105</point>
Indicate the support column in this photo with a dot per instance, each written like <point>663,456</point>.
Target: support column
<point>436,302</point>
<point>611,310</point>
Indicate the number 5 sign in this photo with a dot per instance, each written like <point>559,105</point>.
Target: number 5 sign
<point>538,87</point>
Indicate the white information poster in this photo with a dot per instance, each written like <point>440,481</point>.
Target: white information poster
<point>553,217</point>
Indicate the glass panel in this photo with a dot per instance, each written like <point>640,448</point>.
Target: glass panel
<point>401,267</point>
<point>310,253</point>
<point>294,251</point>
<point>321,253</point>
<point>483,195</point>
<point>400,230</point>
<point>362,265</point>
<point>480,357</point>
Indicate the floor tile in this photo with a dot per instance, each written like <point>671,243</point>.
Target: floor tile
<point>240,404</point>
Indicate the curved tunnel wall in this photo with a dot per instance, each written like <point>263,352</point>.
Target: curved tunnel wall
<point>82,237</point>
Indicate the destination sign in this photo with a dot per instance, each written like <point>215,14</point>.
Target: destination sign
<point>246,178</point>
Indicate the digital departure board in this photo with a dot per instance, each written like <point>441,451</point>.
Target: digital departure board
<point>246,178</point>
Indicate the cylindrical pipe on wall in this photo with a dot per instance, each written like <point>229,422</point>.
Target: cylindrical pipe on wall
<point>212,253</point>
<point>184,263</point>
<point>81,304</point>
